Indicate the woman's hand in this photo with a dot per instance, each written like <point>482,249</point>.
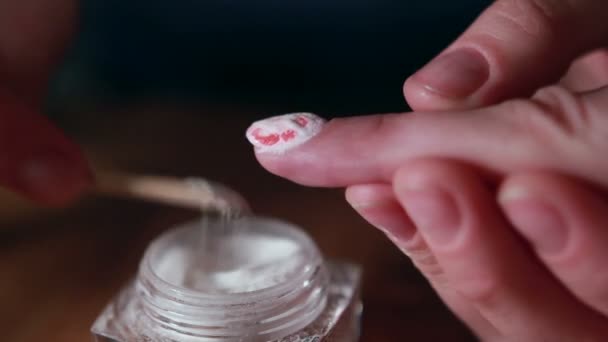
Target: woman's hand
<point>501,207</point>
<point>524,263</point>
<point>36,159</point>
<point>514,48</point>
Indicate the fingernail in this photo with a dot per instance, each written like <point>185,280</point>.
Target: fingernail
<point>456,74</point>
<point>434,213</point>
<point>282,133</point>
<point>54,178</point>
<point>389,218</point>
<point>538,221</point>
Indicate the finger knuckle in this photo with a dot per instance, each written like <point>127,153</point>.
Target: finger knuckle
<point>562,107</point>
<point>539,19</point>
<point>552,116</point>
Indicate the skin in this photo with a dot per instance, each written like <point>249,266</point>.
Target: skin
<point>496,193</point>
<point>36,159</point>
<point>495,187</point>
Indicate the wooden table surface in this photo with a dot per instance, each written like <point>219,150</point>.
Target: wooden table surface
<point>60,267</point>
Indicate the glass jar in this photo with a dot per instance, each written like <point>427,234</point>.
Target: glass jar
<point>245,279</point>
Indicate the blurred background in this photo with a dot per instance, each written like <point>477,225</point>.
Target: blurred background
<point>168,87</point>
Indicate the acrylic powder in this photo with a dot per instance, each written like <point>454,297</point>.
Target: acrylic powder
<point>235,263</point>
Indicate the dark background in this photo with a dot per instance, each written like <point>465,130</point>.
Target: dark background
<point>168,88</point>
<point>336,56</point>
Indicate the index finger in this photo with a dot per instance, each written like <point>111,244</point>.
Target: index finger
<point>556,130</point>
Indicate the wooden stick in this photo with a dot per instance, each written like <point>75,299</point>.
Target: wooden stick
<point>196,193</point>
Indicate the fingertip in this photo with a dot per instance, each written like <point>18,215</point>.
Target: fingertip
<point>538,220</point>
<point>296,168</point>
<point>37,160</point>
<point>511,50</point>
<point>422,99</point>
<point>285,146</point>
<point>376,203</point>
<point>269,162</point>
<point>448,82</point>
<point>564,221</point>
<point>55,180</point>
<point>552,211</point>
<point>279,134</point>
<point>346,151</point>
<point>365,194</point>
<point>541,184</point>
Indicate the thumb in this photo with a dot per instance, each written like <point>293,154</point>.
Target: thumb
<point>556,129</point>
<point>36,159</point>
<point>512,49</point>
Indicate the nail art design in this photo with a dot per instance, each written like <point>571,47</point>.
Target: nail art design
<point>281,133</point>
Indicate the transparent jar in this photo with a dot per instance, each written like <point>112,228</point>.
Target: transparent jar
<point>246,279</point>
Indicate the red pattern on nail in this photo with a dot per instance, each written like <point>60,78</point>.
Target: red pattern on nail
<point>267,140</point>
<point>302,121</point>
<point>288,135</point>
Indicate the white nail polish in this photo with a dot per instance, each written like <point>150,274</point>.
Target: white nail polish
<point>281,133</point>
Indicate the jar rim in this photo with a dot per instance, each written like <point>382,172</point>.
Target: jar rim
<point>271,225</point>
<point>292,302</point>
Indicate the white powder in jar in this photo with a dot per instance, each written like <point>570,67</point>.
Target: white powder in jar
<point>234,263</point>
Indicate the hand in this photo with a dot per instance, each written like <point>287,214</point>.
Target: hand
<point>524,262</point>
<point>514,48</point>
<point>36,159</point>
